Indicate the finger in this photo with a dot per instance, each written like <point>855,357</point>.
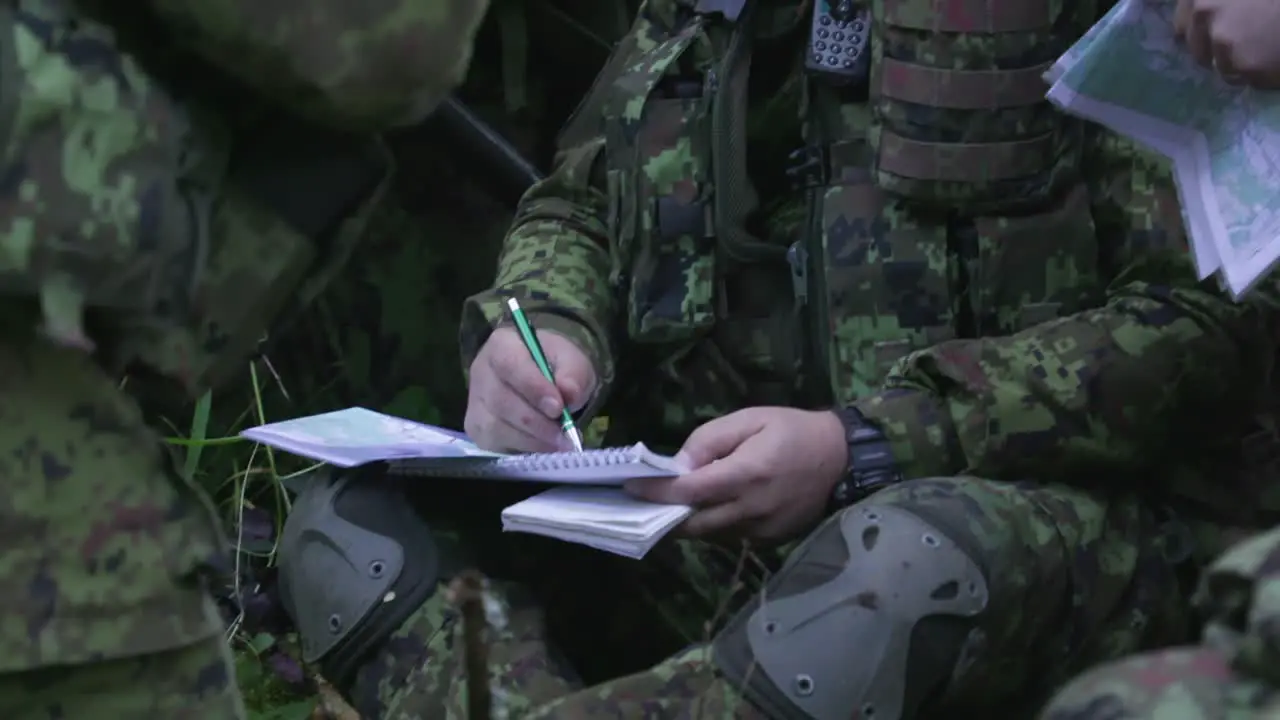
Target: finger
<point>1182,18</point>
<point>509,410</point>
<point>1263,80</point>
<point>575,376</point>
<point>512,431</point>
<point>715,521</point>
<point>719,438</point>
<point>502,417</point>
<point>1198,42</point>
<point>511,366</point>
<point>1224,57</point>
<point>714,484</point>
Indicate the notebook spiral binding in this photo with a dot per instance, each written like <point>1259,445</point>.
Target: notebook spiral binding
<point>484,467</point>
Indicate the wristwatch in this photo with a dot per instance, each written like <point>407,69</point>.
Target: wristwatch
<point>871,463</point>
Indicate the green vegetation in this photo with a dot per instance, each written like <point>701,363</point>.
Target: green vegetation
<point>384,334</point>
<point>238,472</point>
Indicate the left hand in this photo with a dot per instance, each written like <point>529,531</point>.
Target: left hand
<point>1235,37</point>
<point>764,473</point>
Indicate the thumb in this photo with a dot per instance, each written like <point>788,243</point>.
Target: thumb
<point>575,376</point>
<point>719,438</point>
<point>1181,18</point>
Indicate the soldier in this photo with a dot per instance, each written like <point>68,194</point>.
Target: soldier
<point>1232,673</point>
<point>963,351</point>
<point>135,237</point>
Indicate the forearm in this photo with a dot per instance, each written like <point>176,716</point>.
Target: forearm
<point>560,256</point>
<point>1161,369</point>
<point>556,261</point>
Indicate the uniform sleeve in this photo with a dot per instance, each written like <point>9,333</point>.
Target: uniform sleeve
<point>555,260</point>
<point>360,66</point>
<point>1167,366</point>
<point>559,256</point>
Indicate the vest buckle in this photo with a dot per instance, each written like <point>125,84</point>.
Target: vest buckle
<point>808,167</point>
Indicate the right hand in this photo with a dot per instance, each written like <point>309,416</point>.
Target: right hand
<point>1234,37</point>
<point>511,407</point>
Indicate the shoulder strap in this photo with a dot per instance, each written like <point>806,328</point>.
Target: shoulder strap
<point>734,197</point>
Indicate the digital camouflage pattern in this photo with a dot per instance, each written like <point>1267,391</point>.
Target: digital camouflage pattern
<point>189,682</point>
<point>358,66</point>
<point>961,115</point>
<point>121,236</point>
<point>1073,590</point>
<point>559,612</point>
<point>1232,674</point>
<point>1053,384</point>
<point>92,214</point>
<point>106,547</point>
<point>1038,397</point>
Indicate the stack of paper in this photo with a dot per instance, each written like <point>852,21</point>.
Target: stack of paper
<point>1132,75</point>
<point>603,518</point>
<point>589,507</point>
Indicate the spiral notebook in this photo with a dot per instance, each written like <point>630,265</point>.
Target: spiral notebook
<point>610,466</point>
<point>589,508</point>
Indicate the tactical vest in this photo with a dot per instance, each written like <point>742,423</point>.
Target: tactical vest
<point>945,199</point>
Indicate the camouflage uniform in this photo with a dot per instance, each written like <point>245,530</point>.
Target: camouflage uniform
<point>1233,673</point>
<point>1002,291</point>
<point>134,240</point>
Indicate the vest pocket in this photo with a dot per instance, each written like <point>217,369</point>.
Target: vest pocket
<point>1034,268</point>
<point>887,282</point>
<point>659,148</point>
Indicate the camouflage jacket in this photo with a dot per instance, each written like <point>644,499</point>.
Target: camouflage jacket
<point>1005,291</point>
<point>140,189</point>
<point>1238,595</point>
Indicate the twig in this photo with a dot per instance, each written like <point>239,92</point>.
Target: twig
<point>331,706</point>
<point>722,609</point>
<point>466,593</point>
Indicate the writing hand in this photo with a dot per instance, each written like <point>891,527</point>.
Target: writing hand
<point>511,407</point>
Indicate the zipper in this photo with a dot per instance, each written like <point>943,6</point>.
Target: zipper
<point>719,110</point>
<point>819,329</point>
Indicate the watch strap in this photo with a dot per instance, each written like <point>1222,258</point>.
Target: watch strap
<point>871,463</point>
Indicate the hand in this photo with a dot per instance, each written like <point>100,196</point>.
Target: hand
<point>511,407</point>
<point>763,473</point>
<point>1235,37</point>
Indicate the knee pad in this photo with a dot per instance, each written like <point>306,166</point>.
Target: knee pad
<point>866,619</point>
<point>355,560</point>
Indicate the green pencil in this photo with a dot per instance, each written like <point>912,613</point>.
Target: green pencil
<point>530,339</point>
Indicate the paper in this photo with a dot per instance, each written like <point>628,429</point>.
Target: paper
<point>356,436</point>
<point>603,518</point>
<point>1131,75</point>
<point>581,511</point>
<point>1081,48</point>
<point>607,466</point>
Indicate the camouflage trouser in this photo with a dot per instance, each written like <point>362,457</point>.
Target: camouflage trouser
<point>1234,673</point>
<point>193,682</point>
<point>101,552</point>
<point>1074,579</point>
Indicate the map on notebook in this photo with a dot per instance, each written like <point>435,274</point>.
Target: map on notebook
<point>588,508</point>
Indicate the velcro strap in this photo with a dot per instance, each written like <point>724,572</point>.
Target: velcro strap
<point>955,162</point>
<point>960,89</point>
<point>970,16</point>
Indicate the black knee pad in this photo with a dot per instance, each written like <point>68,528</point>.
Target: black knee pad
<point>355,561</point>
